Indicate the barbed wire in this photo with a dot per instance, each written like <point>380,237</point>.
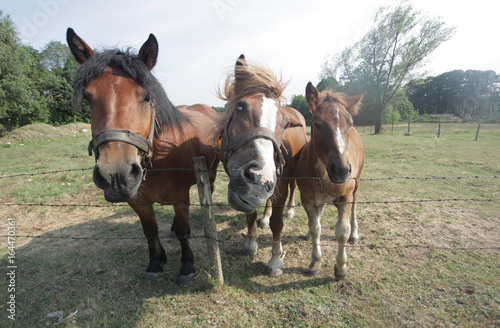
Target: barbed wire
<point>283,178</point>
<point>219,204</point>
<point>284,240</point>
<point>42,173</point>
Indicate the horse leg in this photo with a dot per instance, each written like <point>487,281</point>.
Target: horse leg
<point>157,255</point>
<point>182,231</point>
<point>314,214</point>
<point>172,229</point>
<point>342,233</point>
<point>264,222</point>
<point>290,207</point>
<point>275,264</point>
<point>251,245</point>
<point>354,237</point>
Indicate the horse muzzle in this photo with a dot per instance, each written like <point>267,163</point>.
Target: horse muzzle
<point>339,173</point>
<point>120,182</point>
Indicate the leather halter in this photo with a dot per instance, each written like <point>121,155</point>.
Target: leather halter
<point>127,136</point>
<point>254,133</point>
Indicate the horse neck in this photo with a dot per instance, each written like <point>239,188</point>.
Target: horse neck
<point>318,169</point>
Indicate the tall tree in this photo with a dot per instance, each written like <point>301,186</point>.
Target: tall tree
<point>20,101</point>
<point>300,104</point>
<point>55,54</point>
<point>387,56</point>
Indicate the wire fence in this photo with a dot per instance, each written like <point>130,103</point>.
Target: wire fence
<point>231,241</point>
<point>222,205</point>
<point>284,178</point>
<point>446,130</point>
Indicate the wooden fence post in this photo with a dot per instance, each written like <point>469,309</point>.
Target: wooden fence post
<point>477,133</point>
<point>439,130</point>
<point>205,194</point>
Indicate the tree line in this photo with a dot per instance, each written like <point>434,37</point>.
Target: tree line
<point>35,86</point>
<point>470,94</point>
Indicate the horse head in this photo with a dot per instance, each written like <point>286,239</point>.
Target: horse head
<point>122,113</point>
<point>253,128</point>
<point>330,129</point>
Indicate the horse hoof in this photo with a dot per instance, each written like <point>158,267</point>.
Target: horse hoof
<point>274,272</point>
<point>275,266</point>
<point>339,276</point>
<point>307,236</point>
<point>172,234</point>
<point>290,214</point>
<point>150,276</point>
<point>353,240</point>
<point>314,269</point>
<point>263,224</point>
<point>313,273</point>
<point>185,279</point>
<point>250,248</point>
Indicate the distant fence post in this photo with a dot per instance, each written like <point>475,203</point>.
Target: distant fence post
<point>439,130</point>
<point>477,133</point>
<point>205,194</point>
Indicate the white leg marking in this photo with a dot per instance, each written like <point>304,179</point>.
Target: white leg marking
<point>314,214</point>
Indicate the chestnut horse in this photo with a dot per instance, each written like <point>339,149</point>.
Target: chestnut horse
<point>136,128</point>
<point>254,151</point>
<point>329,168</point>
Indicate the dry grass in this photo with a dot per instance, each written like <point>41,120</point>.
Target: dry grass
<point>431,264</point>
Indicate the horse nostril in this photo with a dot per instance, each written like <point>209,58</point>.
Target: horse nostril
<point>135,172</point>
<point>249,173</point>
<point>99,180</point>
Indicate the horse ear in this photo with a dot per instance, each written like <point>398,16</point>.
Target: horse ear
<point>312,96</point>
<point>354,103</point>
<point>149,52</point>
<point>79,48</point>
<point>241,61</point>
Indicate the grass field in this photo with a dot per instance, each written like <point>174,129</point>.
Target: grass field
<point>418,264</point>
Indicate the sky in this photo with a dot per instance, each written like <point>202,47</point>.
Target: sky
<point>199,41</point>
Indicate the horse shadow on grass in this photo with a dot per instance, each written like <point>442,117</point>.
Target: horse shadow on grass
<point>97,268</point>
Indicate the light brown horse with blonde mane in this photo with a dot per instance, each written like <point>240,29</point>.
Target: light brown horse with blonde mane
<point>260,139</point>
<point>329,169</point>
<point>136,128</point>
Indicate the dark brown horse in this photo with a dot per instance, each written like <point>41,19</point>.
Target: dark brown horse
<point>329,169</point>
<point>255,152</point>
<point>136,128</point>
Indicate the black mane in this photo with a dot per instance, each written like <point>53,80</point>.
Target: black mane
<point>129,64</point>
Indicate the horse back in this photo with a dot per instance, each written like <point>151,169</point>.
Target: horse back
<point>294,138</point>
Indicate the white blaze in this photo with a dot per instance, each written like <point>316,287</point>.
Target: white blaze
<point>265,147</point>
<point>269,112</point>
<point>338,134</point>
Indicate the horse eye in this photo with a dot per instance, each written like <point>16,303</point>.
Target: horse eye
<point>147,99</point>
<point>239,108</point>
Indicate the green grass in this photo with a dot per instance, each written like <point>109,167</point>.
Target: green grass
<point>417,265</point>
